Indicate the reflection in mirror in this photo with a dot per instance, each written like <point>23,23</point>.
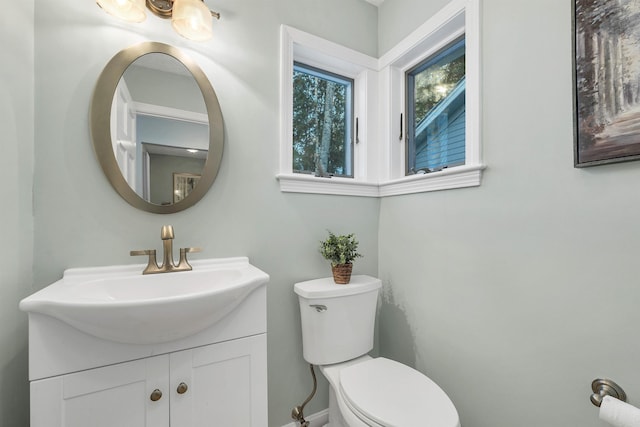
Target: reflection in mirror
<point>159,133</point>
<point>157,128</point>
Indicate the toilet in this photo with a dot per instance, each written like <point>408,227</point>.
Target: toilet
<point>337,333</point>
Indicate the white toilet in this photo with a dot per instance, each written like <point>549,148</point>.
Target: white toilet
<point>337,333</point>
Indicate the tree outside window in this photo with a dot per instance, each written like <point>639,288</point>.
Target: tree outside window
<point>322,117</point>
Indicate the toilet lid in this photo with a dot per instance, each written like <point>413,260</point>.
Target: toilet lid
<point>394,395</point>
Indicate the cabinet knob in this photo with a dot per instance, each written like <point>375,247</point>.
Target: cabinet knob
<point>182,388</point>
<point>155,395</point>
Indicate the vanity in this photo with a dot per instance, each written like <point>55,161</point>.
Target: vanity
<point>109,346</point>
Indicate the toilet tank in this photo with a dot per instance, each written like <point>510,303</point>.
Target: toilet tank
<point>337,320</point>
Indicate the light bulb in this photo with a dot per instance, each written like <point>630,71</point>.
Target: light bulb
<point>127,10</point>
<point>192,19</point>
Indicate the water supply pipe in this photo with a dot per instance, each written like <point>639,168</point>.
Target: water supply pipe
<point>298,412</point>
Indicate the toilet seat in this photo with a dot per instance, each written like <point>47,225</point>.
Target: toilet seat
<point>386,393</point>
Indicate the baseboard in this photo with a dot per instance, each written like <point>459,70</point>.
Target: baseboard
<point>318,419</point>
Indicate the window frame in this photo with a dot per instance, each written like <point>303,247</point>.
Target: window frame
<point>410,126</point>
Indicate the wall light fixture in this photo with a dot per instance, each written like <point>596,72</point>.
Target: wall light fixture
<point>191,19</point>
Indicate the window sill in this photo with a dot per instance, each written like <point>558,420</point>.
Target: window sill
<point>457,177</point>
<point>447,179</point>
<point>301,183</point>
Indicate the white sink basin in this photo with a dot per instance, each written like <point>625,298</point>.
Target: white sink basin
<point>120,304</point>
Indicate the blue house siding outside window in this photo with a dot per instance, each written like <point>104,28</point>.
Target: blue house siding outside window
<point>440,136</point>
<point>436,106</point>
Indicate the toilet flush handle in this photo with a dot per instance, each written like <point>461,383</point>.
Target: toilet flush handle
<point>319,307</point>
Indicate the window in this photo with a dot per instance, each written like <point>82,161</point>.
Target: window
<point>412,124</point>
<point>435,109</point>
<point>322,122</point>
<point>433,101</point>
<point>328,100</point>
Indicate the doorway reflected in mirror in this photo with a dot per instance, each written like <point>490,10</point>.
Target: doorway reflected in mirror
<point>183,184</point>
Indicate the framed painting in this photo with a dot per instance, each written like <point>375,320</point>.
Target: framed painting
<point>606,81</point>
<point>183,184</point>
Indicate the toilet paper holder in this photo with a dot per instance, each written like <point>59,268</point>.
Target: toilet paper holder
<point>604,387</point>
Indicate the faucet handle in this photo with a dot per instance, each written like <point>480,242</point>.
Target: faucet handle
<point>183,264</point>
<point>152,264</point>
<point>190,250</point>
<point>143,252</point>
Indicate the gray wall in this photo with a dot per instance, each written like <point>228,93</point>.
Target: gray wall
<point>16,173</point>
<point>515,295</point>
<point>81,221</point>
<point>155,87</point>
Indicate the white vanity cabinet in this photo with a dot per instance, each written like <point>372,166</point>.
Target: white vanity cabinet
<point>215,375</point>
<point>103,397</point>
<point>221,384</point>
<point>227,384</point>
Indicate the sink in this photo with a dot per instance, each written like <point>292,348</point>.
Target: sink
<point>118,303</point>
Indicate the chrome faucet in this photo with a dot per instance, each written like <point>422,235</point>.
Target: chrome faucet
<point>168,265</point>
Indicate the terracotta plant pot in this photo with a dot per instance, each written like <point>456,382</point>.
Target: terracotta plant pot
<point>342,273</point>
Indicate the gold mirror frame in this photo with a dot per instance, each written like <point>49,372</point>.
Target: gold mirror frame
<point>100,116</point>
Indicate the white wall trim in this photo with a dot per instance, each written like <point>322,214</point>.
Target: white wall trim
<point>169,112</point>
<point>318,419</point>
<point>448,179</point>
<point>302,183</point>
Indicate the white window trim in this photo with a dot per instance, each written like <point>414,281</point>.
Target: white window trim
<point>460,17</point>
<point>379,158</point>
<point>311,50</point>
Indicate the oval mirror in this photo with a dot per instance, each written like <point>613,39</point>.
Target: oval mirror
<point>156,127</point>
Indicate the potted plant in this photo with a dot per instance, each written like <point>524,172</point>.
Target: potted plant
<point>340,251</point>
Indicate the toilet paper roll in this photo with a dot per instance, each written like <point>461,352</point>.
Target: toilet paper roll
<point>618,413</point>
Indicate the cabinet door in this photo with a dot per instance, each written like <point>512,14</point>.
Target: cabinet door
<point>117,395</point>
<point>226,384</point>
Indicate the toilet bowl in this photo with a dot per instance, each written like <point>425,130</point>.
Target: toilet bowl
<point>379,392</point>
<point>337,332</point>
